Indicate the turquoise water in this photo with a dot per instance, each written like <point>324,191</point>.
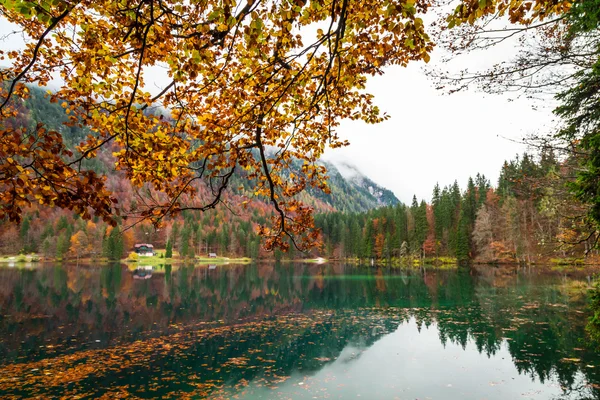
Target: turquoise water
<point>294,332</point>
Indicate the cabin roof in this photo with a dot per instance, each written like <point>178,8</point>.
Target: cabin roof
<point>138,245</point>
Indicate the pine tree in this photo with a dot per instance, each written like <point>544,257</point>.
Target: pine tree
<point>63,244</point>
<point>463,247</point>
<point>401,225</point>
<point>184,248</point>
<point>175,235</point>
<point>387,244</point>
<point>24,235</point>
<point>421,225</point>
<point>62,223</point>
<point>169,249</point>
<point>435,198</point>
<point>113,246</point>
<point>369,239</point>
<point>438,211</point>
<point>470,203</point>
<point>483,185</point>
<point>224,239</point>
<point>46,246</point>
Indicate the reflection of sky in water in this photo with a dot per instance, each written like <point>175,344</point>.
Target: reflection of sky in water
<point>408,364</point>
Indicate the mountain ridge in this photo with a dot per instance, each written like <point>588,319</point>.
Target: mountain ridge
<point>355,193</point>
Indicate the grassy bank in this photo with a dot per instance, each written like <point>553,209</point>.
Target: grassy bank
<point>404,262</point>
<point>20,258</point>
<point>154,260</point>
<point>556,264</point>
<point>160,258</point>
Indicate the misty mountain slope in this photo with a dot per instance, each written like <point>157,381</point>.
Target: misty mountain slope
<point>354,192</point>
<point>351,191</point>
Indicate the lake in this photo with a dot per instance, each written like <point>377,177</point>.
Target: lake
<point>294,331</point>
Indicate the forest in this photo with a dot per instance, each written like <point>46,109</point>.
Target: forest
<point>528,217</point>
<point>99,163</point>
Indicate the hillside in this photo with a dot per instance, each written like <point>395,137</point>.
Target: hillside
<point>350,191</point>
<point>354,192</point>
<point>228,230</point>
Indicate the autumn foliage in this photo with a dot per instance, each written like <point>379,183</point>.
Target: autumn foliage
<point>249,86</point>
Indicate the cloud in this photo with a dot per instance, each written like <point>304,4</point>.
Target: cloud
<point>432,137</point>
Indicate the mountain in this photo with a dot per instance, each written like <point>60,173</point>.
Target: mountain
<point>229,230</point>
<point>351,191</point>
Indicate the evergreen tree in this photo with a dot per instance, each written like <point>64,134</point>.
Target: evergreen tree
<point>198,239</point>
<point>401,225</point>
<point>175,235</point>
<point>184,248</point>
<point>115,246</point>
<point>470,203</point>
<point>169,249</point>
<point>24,235</point>
<point>387,251</point>
<point>46,246</point>
<point>48,231</point>
<point>63,243</point>
<point>438,211</point>
<point>62,223</point>
<point>369,240</point>
<point>483,185</point>
<point>463,247</point>
<point>421,224</point>
<point>224,239</point>
<point>355,247</point>
<point>435,198</point>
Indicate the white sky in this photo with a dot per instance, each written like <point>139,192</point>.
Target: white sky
<point>431,137</point>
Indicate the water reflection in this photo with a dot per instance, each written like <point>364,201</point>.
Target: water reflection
<point>266,330</point>
<point>143,272</point>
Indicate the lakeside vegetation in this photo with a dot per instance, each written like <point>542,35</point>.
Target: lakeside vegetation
<point>160,258</point>
<point>520,220</point>
<point>541,211</point>
<point>527,218</point>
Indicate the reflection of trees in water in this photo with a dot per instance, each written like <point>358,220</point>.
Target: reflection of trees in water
<point>178,363</point>
<point>544,331</point>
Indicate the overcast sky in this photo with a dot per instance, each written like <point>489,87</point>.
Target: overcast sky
<point>431,137</point>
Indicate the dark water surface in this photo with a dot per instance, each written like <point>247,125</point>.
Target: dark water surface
<point>294,332</point>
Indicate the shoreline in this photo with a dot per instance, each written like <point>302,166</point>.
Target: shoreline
<point>555,265</point>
